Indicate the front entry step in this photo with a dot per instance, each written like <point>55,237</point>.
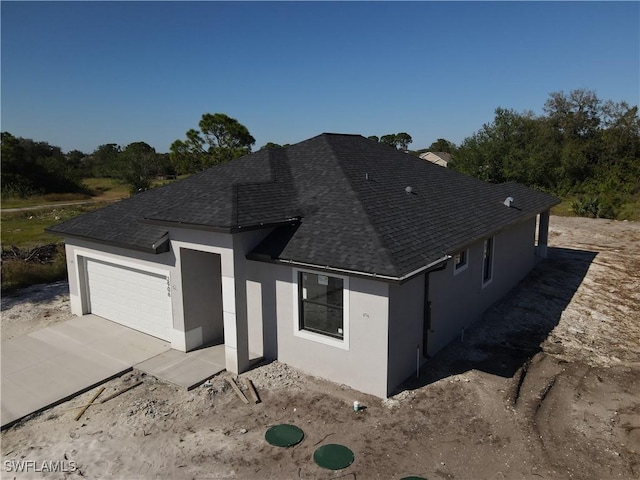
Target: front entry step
<point>187,370</point>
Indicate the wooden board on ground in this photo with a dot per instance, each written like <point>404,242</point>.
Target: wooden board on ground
<point>121,392</point>
<point>252,391</point>
<point>237,390</point>
<point>84,409</point>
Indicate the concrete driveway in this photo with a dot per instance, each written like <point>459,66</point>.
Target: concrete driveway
<point>51,365</point>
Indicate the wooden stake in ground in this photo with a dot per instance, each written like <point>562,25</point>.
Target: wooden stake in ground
<point>104,399</point>
<point>237,390</point>
<point>252,391</point>
<point>121,392</point>
<point>84,409</point>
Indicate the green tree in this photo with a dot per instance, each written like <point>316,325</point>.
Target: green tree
<point>576,114</point>
<point>576,121</point>
<point>75,157</point>
<point>269,145</point>
<point>164,165</point>
<point>103,162</point>
<point>514,147</point>
<point>77,162</point>
<point>137,166</point>
<point>581,147</point>
<point>220,139</point>
<point>620,155</point>
<point>397,140</point>
<point>15,168</point>
<point>403,140</point>
<point>389,139</point>
<point>30,167</point>
<point>375,138</point>
<point>442,145</point>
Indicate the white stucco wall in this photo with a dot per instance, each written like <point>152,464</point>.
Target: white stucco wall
<point>259,303</point>
<point>258,308</point>
<point>79,250</point>
<point>170,264</point>
<point>212,242</point>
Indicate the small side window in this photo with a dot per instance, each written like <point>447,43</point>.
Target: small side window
<point>487,261</point>
<point>460,261</point>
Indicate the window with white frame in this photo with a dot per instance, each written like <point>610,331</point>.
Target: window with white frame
<point>460,261</point>
<point>322,308</point>
<point>487,261</point>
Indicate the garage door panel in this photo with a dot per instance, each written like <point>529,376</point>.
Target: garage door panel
<point>131,297</point>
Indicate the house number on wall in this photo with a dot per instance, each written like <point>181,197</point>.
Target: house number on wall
<point>168,287</point>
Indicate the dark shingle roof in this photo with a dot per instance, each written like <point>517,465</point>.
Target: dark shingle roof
<point>343,199</point>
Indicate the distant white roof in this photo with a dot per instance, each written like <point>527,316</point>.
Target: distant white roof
<point>439,158</point>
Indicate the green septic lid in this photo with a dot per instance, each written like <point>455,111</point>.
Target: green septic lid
<point>284,435</point>
<point>413,478</point>
<point>333,456</point>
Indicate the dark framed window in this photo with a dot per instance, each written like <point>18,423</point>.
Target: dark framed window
<point>321,304</point>
<point>487,261</point>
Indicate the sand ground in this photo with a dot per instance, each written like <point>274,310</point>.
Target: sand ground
<point>546,386</point>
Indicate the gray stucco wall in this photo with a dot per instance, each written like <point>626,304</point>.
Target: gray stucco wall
<point>406,316</point>
<point>202,294</point>
<point>363,365</point>
<point>249,328</point>
<point>261,282</point>
<point>459,300</point>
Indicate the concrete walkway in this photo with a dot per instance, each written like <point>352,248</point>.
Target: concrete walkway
<point>51,365</point>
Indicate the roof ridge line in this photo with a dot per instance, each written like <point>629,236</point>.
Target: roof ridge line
<point>347,177</point>
<point>337,134</point>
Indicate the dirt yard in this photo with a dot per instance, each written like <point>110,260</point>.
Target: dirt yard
<point>547,386</point>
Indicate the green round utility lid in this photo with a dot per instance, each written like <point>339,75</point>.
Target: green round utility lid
<point>284,435</point>
<point>413,478</point>
<point>333,456</point>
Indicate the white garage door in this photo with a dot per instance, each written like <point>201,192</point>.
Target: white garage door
<point>134,298</point>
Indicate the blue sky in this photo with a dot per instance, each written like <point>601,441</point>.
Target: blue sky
<point>81,74</point>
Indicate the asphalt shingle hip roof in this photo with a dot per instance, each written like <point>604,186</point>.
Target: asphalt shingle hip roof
<point>343,201</point>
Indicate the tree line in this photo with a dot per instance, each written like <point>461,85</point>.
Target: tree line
<point>36,168</point>
<point>30,167</point>
<point>579,147</point>
<point>400,140</point>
